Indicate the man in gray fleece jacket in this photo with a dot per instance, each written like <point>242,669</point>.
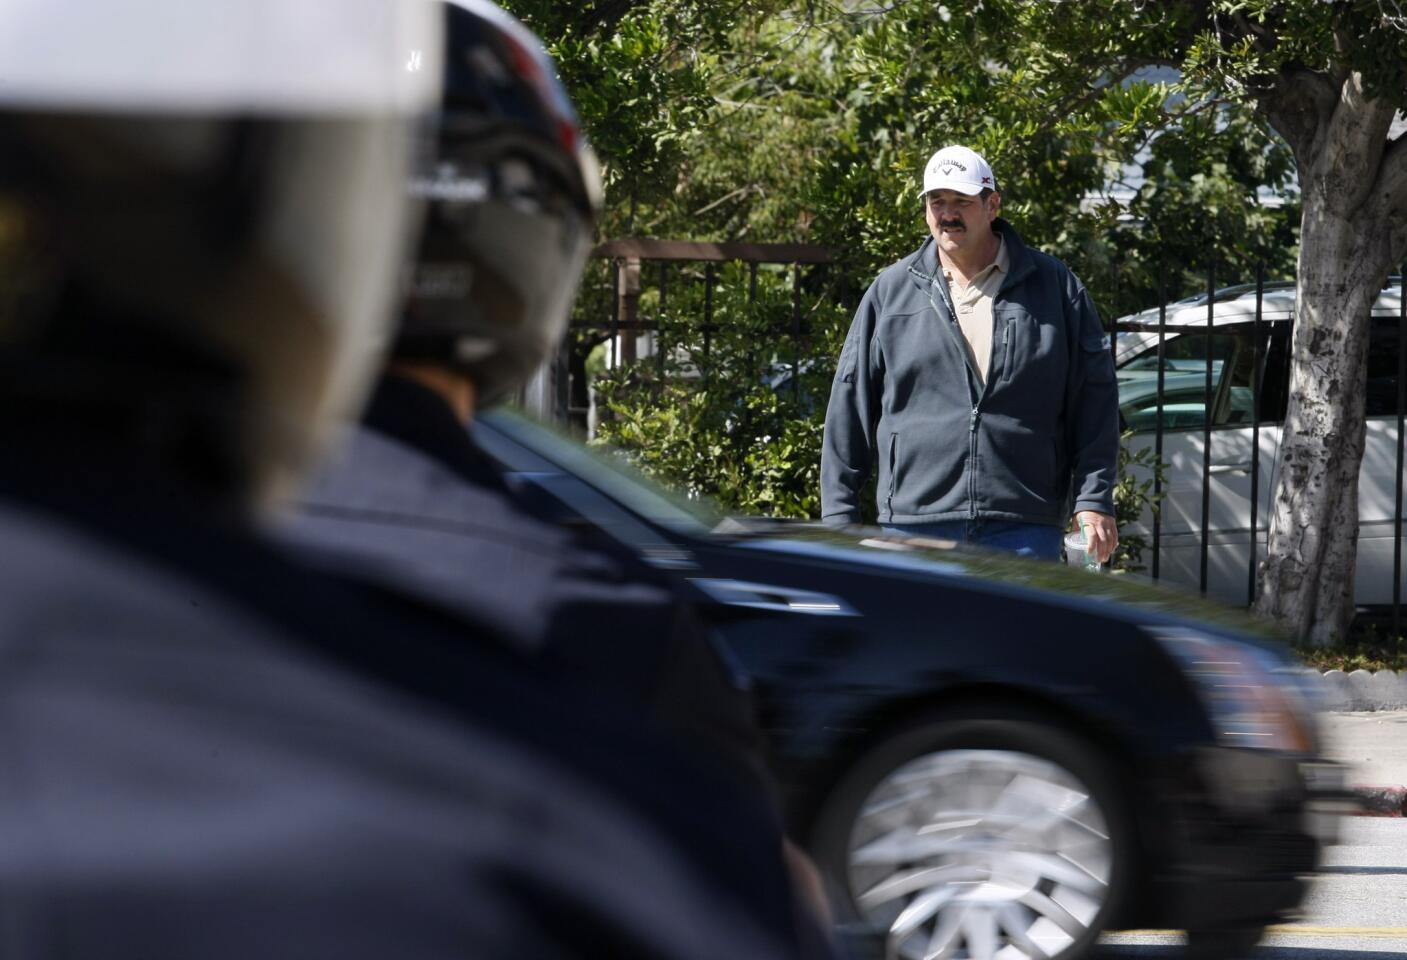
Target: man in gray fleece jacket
<point>977,375</point>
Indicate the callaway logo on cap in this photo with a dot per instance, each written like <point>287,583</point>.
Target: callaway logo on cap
<point>960,169</point>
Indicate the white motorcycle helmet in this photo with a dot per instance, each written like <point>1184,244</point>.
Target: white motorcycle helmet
<point>203,217</point>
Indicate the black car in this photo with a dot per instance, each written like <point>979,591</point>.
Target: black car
<point>987,754</point>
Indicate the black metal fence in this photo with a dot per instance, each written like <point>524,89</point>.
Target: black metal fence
<point>1203,381</point>
<point>634,267</point>
<point>1240,311</point>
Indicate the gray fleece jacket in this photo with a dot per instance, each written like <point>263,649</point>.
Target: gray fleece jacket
<point>1042,431</point>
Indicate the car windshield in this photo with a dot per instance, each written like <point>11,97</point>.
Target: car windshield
<point>611,473</point>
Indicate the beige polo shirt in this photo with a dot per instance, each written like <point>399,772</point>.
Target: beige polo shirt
<point>973,304</point>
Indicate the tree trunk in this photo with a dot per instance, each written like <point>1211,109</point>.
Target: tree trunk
<point>1307,578</point>
<point>1352,229</point>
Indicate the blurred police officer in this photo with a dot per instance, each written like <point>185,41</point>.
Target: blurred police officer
<point>206,749</point>
<point>412,499</point>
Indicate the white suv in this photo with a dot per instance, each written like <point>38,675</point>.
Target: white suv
<point>1236,378</point>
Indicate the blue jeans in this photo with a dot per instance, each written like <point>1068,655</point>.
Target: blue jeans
<point>1023,539</point>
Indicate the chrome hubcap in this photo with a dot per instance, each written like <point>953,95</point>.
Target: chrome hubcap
<point>980,855</point>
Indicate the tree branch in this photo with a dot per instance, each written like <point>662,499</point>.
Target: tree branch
<point>1128,66</point>
<point>1354,142</point>
<point>875,11</point>
<point>1339,72</point>
<point>1299,105</point>
<point>741,191</point>
<point>1265,39</point>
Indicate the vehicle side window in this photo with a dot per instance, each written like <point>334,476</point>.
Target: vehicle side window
<point>1382,367</point>
<point>1184,382</point>
<point>1275,373</point>
<point>1233,359</point>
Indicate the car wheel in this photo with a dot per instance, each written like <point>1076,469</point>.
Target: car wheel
<point>1235,943</point>
<point>973,838</point>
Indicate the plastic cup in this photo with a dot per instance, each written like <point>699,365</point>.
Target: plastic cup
<point>1077,552</point>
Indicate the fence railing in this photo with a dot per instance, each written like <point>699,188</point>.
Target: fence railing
<point>1203,382</point>
<point>617,320</point>
<point>631,254</point>
<point>1229,351</point>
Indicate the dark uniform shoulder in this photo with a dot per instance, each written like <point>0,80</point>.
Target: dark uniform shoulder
<point>226,737</point>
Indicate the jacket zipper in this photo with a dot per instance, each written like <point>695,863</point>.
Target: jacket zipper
<point>893,465</point>
<point>972,464</point>
<point>950,322</point>
<point>1006,349</point>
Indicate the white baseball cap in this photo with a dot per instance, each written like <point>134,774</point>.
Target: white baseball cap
<point>960,169</point>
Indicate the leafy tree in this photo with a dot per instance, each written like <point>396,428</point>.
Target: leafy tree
<point>1331,81</point>
<point>1199,206</point>
<point>1058,98</point>
<point>646,77</point>
<point>1330,77</point>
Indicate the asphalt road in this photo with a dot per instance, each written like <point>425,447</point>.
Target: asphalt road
<point>1356,908</point>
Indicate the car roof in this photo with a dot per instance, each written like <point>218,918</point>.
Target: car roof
<point>1231,305</point>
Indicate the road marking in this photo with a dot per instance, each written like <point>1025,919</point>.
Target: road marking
<point>1295,930</point>
<point>1286,930</point>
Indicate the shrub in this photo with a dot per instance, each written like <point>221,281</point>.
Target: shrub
<point>733,406</point>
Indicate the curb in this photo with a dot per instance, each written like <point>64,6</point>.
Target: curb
<point>1360,691</point>
<point>1381,801</point>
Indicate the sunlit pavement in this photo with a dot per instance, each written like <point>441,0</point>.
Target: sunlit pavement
<point>1373,745</point>
<point>1356,908</point>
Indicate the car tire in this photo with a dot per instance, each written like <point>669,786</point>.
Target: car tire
<point>1233,943</point>
<point>966,834</point>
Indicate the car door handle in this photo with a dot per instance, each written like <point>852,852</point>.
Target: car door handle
<point>1243,467</point>
<point>766,596</point>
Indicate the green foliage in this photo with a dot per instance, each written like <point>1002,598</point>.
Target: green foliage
<point>1241,48</point>
<point>788,121</point>
<point>1197,208</point>
<point>677,436</point>
<point>1133,493</point>
<point>646,77</point>
<point>1370,646</point>
<point>1055,97</point>
<point>710,415</point>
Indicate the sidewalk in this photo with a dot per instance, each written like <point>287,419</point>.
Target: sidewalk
<point>1374,745</point>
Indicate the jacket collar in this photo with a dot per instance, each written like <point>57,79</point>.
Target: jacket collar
<point>921,262</point>
<point>411,414</point>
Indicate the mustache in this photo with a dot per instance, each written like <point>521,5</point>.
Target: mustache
<point>952,224</point>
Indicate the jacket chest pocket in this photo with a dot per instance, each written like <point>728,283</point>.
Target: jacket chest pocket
<point>1003,332</point>
<point>1032,352</point>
